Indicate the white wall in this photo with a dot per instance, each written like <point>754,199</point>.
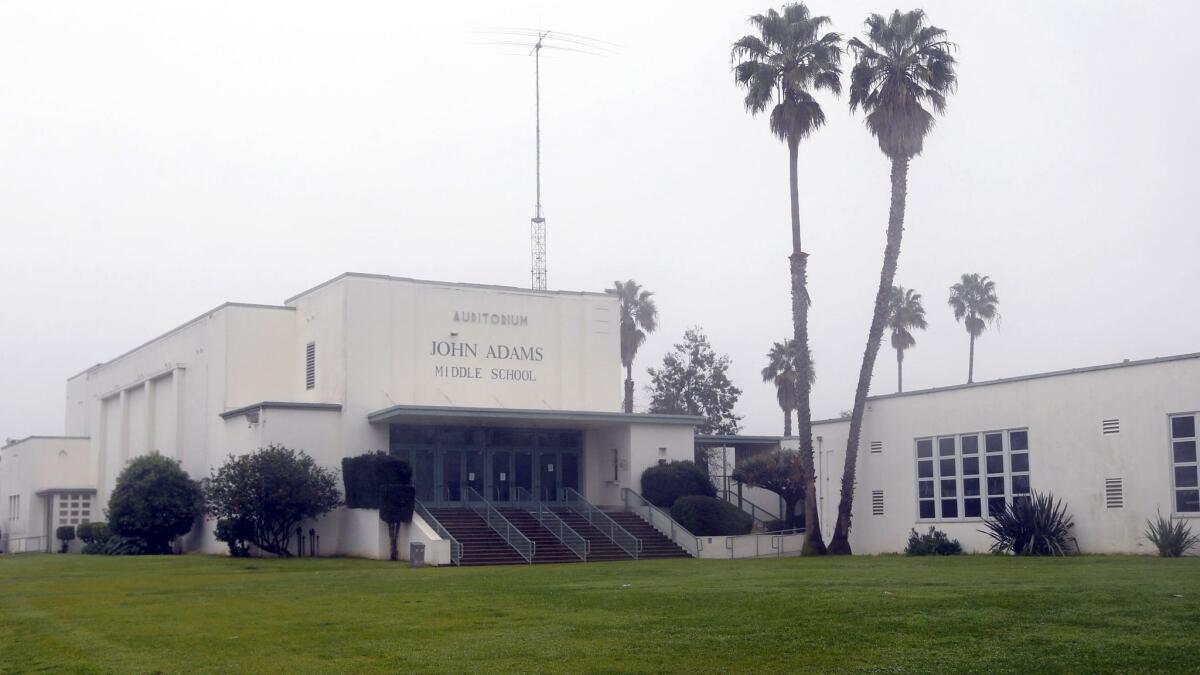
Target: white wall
<point>35,464</point>
<point>1068,454</point>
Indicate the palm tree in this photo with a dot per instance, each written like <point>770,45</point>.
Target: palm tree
<point>905,313</point>
<point>781,371</point>
<point>781,67</point>
<point>639,316</point>
<point>974,301</point>
<point>904,65</point>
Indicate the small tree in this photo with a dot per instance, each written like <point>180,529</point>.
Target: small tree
<point>781,473</point>
<point>662,484</point>
<point>693,381</point>
<point>395,507</point>
<point>65,534</point>
<point>264,495</point>
<point>153,502</point>
<point>364,477</point>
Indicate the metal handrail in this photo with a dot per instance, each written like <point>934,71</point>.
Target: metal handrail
<point>43,544</point>
<point>602,522</point>
<point>578,544</point>
<point>456,550</point>
<point>754,510</point>
<point>678,533</point>
<point>491,515</point>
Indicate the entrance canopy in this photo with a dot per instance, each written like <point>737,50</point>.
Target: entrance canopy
<point>576,419</point>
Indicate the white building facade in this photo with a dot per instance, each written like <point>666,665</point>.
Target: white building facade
<point>482,388</point>
<point>499,392</point>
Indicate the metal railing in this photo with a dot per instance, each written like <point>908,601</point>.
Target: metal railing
<point>36,544</point>
<point>662,521</point>
<point>759,514</point>
<point>456,550</point>
<point>578,544</point>
<point>602,522</point>
<point>496,520</point>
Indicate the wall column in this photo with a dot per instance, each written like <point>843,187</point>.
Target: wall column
<point>148,426</point>
<point>177,381</point>
<point>123,430</point>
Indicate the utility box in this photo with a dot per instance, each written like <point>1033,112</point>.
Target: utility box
<point>416,554</point>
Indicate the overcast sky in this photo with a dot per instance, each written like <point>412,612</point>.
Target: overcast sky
<point>159,158</point>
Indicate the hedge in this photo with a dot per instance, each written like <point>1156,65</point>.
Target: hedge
<point>665,483</point>
<point>365,475</point>
<point>711,517</point>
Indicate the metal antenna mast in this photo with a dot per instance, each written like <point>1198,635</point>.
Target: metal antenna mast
<point>535,41</point>
<point>537,224</point>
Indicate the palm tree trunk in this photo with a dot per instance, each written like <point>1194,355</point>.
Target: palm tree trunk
<point>971,362</point>
<point>899,370</point>
<point>787,422</point>
<point>840,544</point>
<point>814,544</point>
<point>629,388</point>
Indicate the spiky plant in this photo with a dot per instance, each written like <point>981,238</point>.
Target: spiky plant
<point>1171,536</point>
<point>1034,525</point>
<point>780,68</point>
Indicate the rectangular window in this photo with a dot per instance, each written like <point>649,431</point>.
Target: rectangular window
<point>1185,473</point>
<point>960,483</point>
<point>310,365</point>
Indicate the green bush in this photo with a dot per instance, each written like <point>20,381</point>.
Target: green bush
<point>664,483</point>
<point>90,533</point>
<point>1173,538</point>
<point>65,534</point>
<point>154,501</point>
<point>114,545</point>
<point>364,477</point>
<point>237,534</point>
<point>396,506</point>
<point>934,542</point>
<point>710,517</point>
<point>1034,525</point>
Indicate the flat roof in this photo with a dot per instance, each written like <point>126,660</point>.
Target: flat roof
<point>1037,376</point>
<point>18,441</point>
<point>434,413</point>
<point>280,405</point>
<point>429,282</point>
<point>56,490</point>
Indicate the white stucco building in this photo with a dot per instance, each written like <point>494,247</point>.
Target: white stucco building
<point>504,392</point>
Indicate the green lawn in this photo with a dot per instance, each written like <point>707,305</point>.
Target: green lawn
<point>193,613</point>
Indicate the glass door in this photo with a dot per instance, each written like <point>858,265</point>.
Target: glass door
<point>522,471</point>
<point>424,481</point>
<point>569,475</point>
<point>501,476</point>
<point>452,476</point>
<point>548,476</point>
<point>474,470</point>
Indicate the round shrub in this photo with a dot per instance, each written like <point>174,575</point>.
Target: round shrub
<point>935,542</point>
<point>65,534</point>
<point>710,517</point>
<point>665,483</point>
<point>154,502</point>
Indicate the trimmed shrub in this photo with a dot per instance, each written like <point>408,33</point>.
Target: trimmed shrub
<point>236,533</point>
<point>364,477</point>
<point>709,516</point>
<point>1036,525</point>
<point>91,533</point>
<point>114,545</point>
<point>934,542</point>
<point>664,483</point>
<point>270,491</point>
<point>154,501</point>
<point>65,534</point>
<point>1172,537</point>
<point>84,532</point>
<point>396,506</point>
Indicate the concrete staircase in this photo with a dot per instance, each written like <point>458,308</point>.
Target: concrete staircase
<point>655,544</point>
<point>603,548</point>
<point>480,543</point>
<point>549,548</point>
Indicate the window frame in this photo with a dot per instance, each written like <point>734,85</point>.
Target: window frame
<point>1173,465</point>
<point>982,474</point>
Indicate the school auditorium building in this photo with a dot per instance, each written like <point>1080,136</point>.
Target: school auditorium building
<point>507,403</point>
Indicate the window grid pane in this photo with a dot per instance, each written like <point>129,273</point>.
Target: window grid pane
<point>1185,473</point>
<point>953,483</point>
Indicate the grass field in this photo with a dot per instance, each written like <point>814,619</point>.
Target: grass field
<point>193,613</point>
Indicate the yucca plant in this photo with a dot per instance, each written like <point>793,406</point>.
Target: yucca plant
<point>1172,537</point>
<point>1034,525</point>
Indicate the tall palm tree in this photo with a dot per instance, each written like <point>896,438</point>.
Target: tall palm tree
<point>639,316</point>
<point>974,301</point>
<point>904,65</point>
<point>781,66</point>
<point>905,313</point>
<point>781,371</point>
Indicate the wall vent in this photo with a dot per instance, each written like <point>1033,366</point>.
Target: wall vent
<point>876,446</point>
<point>1114,493</point>
<point>310,365</point>
<point>877,502</point>
<point>1110,426</point>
